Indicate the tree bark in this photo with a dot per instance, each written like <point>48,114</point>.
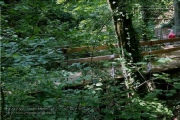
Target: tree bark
<point>125,31</point>
<point>127,42</point>
<point>2,103</point>
<point>177,17</point>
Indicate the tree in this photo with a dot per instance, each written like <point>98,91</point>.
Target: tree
<point>34,73</point>
<point>177,16</point>
<point>124,29</point>
<point>127,42</point>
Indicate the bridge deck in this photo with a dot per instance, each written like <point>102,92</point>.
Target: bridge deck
<point>171,61</point>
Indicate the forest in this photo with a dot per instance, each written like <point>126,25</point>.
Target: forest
<point>90,60</point>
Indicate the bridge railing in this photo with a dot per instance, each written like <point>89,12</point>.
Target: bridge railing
<point>68,51</point>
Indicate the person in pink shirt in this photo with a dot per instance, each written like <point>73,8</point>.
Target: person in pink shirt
<point>171,35</point>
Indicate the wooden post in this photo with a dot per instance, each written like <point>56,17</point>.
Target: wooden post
<point>177,17</point>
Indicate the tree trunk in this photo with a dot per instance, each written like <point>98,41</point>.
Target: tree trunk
<point>177,17</point>
<point>127,42</point>
<point>2,103</point>
<point>125,31</point>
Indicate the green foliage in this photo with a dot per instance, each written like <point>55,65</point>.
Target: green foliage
<point>35,77</point>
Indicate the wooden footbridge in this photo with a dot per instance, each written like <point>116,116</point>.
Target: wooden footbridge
<point>69,51</point>
<point>168,48</point>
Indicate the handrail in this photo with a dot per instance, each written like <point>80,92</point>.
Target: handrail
<point>111,57</point>
<point>104,47</point>
<point>160,51</point>
<point>159,41</point>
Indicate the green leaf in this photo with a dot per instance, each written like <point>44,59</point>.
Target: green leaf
<point>87,77</point>
<point>164,60</point>
<point>78,65</point>
<point>177,85</point>
<point>45,103</point>
<point>99,84</point>
<point>79,79</point>
<point>87,68</point>
<point>98,89</point>
<point>50,100</point>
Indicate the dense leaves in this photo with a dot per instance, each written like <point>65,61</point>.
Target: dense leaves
<point>35,76</point>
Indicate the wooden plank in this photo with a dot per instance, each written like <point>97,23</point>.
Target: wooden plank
<point>93,59</point>
<point>85,48</point>
<point>161,51</point>
<point>104,47</point>
<point>111,57</point>
<point>159,41</point>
